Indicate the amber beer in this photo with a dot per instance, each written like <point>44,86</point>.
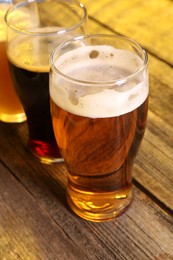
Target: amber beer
<point>11,109</point>
<point>99,114</point>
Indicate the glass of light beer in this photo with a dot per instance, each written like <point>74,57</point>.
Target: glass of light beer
<point>99,102</point>
<point>11,110</point>
<point>34,28</point>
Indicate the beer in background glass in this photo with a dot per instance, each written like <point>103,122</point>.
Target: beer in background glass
<point>99,102</point>
<point>34,28</point>
<point>11,110</point>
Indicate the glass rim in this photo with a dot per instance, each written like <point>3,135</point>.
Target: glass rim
<point>117,81</point>
<point>50,33</point>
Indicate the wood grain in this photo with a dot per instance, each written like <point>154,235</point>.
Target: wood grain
<point>148,22</point>
<point>35,220</point>
<point>36,224</point>
<point>33,195</point>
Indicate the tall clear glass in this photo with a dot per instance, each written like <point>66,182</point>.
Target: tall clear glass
<point>34,28</point>
<point>11,110</point>
<point>99,102</point>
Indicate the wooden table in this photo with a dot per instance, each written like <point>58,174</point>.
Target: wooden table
<point>35,221</point>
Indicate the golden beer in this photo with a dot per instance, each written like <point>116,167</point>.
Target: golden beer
<point>11,109</point>
<point>99,104</point>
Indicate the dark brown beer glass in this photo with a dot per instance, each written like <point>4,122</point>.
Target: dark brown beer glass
<point>34,28</point>
<point>99,102</point>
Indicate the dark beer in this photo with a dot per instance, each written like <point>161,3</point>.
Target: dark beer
<point>33,90</point>
<point>99,118</point>
<point>29,65</point>
<point>33,30</point>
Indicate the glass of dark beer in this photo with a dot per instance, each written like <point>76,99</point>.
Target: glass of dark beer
<point>34,28</point>
<point>99,102</point>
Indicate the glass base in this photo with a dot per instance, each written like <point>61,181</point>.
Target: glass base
<point>45,152</point>
<point>13,118</point>
<point>47,159</point>
<point>99,207</point>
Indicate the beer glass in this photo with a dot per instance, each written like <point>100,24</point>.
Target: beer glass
<point>99,99</point>
<point>34,28</point>
<point>11,110</point>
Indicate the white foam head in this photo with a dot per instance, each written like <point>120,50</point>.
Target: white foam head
<point>32,52</point>
<point>99,65</point>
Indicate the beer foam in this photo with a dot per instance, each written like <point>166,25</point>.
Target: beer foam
<point>29,54</point>
<point>33,52</point>
<point>98,64</point>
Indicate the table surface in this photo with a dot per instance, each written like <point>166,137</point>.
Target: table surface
<point>35,220</point>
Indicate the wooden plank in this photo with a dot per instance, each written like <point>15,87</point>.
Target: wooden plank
<point>35,224</point>
<point>27,231</point>
<point>154,162</point>
<point>149,22</point>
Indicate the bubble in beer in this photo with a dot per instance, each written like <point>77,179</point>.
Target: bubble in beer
<point>94,54</point>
